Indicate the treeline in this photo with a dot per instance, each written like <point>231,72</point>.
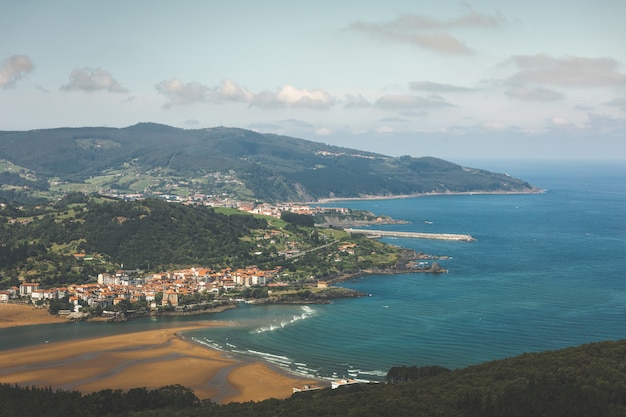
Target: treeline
<point>584,381</point>
<point>148,234</point>
<point>33,401</point>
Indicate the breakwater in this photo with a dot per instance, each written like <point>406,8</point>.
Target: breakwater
<point>412,235</point>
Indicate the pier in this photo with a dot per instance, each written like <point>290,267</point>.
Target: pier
<point>412,235</point>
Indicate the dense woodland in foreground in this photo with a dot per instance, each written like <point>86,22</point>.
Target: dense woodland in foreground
<point>585,381</point>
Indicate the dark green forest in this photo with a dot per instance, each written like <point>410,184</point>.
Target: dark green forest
<point>583,381</point>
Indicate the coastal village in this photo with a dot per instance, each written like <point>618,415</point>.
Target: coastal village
<point>165,289</point>
<point>169,287</point>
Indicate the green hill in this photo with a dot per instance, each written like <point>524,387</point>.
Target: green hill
<point>157,159</point>
<point>39,243</point>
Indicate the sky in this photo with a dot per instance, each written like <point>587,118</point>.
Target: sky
<point>451,79</point>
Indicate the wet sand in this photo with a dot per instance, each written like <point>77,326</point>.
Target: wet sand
<point>149,359</point>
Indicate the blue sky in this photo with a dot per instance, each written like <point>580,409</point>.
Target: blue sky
<point>456,80</point>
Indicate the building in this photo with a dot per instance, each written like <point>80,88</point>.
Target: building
<point>27,288</point>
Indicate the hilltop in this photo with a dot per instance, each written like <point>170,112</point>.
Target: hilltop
<point>155,160</point>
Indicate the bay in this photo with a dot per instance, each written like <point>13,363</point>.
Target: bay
<point>547,271</point>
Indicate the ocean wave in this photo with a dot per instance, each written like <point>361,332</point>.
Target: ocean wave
<point>374,373</point>
<point>307,312</point>
<point>271,357</point>
<point>209,343</point>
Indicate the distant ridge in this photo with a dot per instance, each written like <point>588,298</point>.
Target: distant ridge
<point>258,166</point>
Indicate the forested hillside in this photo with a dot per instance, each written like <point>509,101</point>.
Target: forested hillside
<point>155,159</point>
<point>583,381</point>
<point>39,243</point>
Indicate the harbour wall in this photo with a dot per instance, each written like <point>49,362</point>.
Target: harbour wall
<point>412,235</point>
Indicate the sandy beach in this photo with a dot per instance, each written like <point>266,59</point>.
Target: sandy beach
<point>148,359</point>
<point>12,315</point>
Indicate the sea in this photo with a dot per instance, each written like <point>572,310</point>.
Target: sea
<point>546,271</point>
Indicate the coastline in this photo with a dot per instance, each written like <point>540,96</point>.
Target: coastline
<point>149,359</point>
<point>401,196</point>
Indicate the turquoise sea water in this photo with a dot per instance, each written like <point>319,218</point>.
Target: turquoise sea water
<point>547,271</point>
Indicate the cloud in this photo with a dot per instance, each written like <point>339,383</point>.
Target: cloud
<point>393,120</point>
<point>42,89</point>
<point>396,31</point>
<point>179,93</point>
<point>93,79</point>
<point>429,33</point>
<point>534,94</point>
<point>356,102</point>
<point>13,69</point>
<point>231,91</point>
<point>568,71</point>
<point>290,96</point>
<point>559,121</point>
<point>323,131</point>
<point>266,100</point>
<point>619,102</point>
<point>437,87</point>
<point>607,125</point>
<point>313,99</point>
<point>493,126</point>
<point>404,101</point>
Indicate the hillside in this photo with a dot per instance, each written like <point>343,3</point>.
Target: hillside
<point>154,159</point>
<point>39,243</point>
<point>583,381</point>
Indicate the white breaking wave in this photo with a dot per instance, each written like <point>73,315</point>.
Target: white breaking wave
<point>307,312</point>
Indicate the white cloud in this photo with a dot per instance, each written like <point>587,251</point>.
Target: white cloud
<point>231,91</point>
<point>179,93</point>
<point>228,90</point>
<point>290,96</point>
<point>93,79</point>
<point>567,71</point>
<point>534,94</point>
<point>13,69</point>
<point>404,101</point>
<point>429,33</point>
<point>314,99</point>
